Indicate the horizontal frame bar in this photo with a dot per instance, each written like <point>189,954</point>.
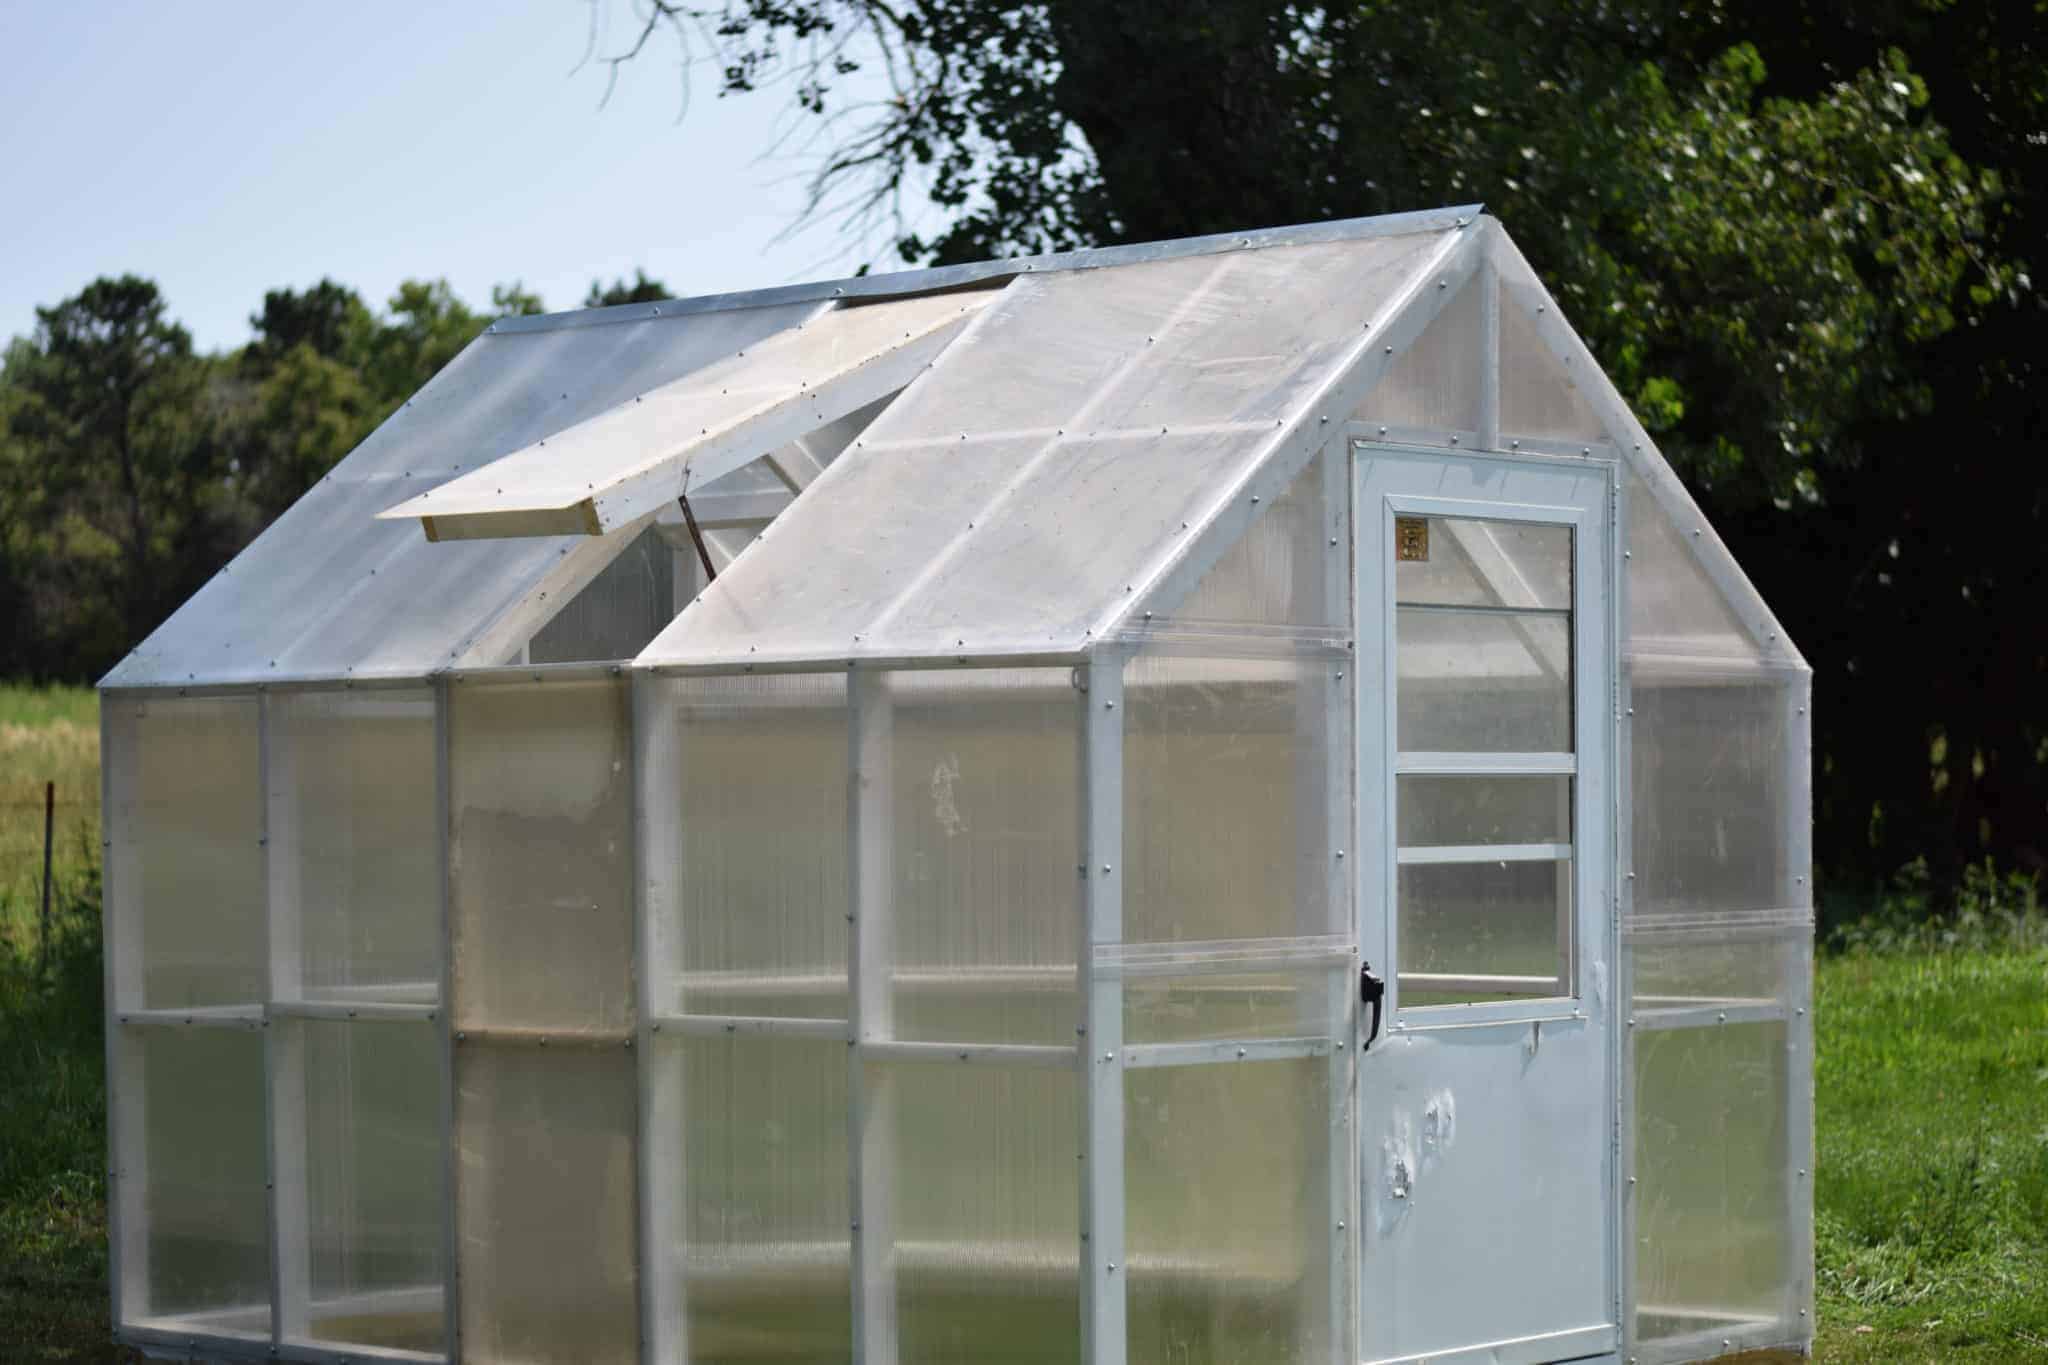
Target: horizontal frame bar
<point>1572,1344</point>
<point>542,1037</point>
<point>1545,987</point>
<point>719,1025</point>
<point>1425,854</point>
<point>1438,764</point>
<point>1707,1014</point>
<point>205,1016</point>
<point>365,1010</point>
<point>1484,609</point>
<point>1227,1052</point>
<point>1218,957</point>
<point>986,1054</point>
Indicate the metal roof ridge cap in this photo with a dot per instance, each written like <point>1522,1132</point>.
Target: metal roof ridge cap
<point>926,279</point>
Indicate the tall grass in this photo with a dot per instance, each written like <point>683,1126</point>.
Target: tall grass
<point>47,734</point>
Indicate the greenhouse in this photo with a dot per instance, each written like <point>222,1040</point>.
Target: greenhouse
<point>1214,801</point>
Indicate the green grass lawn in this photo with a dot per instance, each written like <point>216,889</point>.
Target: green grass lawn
<point>1932,1172</point>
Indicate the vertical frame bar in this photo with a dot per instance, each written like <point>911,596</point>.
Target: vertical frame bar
<point>1798,779</point>
<point>1622,859</point>
<point>121,930</point>
<point>664,1324</point>
<point>284,1040</point>
<point>871,953</point>
<point>444,1017</point>
<point>1487,282</point>
<point>1104,1331</point>
<point>1323,724</point>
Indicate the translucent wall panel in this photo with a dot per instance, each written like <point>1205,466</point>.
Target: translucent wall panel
<point>1187,1009</point>
<point>1228,1218</point>
<point>1712,808</point>
<point>355,845</point>
<point>374,1172</point>
<point>1538,396</point>
<point>545,1199</point>
<point>205,1216</point>
<point>618,612</point>
<point>188,812</point>
<point>764,1176</point>
<point>1288,572</point>
<point>1052,459</point>
<point>1455,810</point>
<point>1226,828</point>
<point>985,779</point>
<point>759,822</point>
<point>987,1236</point>
<point>1674,610</point>
<point>1434,384</point>
<point>1712,1198</point>
<point>541,857</point>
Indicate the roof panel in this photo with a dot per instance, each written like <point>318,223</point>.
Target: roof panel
<point>621,464</point>
<point>328,591</point>
<point>1053,459</point>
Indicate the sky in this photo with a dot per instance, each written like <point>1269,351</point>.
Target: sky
<point>226,147</point>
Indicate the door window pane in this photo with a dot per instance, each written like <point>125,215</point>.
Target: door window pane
<point>1435,811</point>
<point>1456,561</point>
<point>1483,682</point>
<point>1484,931</point>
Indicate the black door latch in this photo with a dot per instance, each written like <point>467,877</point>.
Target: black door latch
<point>1371,991</point>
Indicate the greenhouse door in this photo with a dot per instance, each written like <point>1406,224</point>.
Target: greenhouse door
<point>1486,1110</point>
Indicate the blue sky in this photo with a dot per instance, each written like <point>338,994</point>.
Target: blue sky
<point>225,147</point>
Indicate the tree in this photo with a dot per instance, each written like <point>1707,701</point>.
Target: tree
<point>1797,235</point>
<point>640,289</point>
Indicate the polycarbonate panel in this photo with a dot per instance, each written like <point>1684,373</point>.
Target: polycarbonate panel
<point>618,612</point>
<point>1052,460</point>
<point>1538,397</point>
<point>1288,572</point>
<point>760,820</point>
<point>620,464</point>
<point>985,771</point>
<point>1482,810</point>
<point>1697,970</point>
<point>765,1258</point>
<point>1713,1198</point>
<point>1227,783</point>
<point>541,854</point>
<point>328,590</point>
<point>1675,613</point>
<point>1468,562</point>
<point>195,823</point>
<point>1483,919</point>
<point>1712,822</point>
<point>986,1212</point>
<point>545,1204</point>
<point>375,1181</point>
<point>207,1246</point>
<point>1190,1009</point>
<point>1483,682</point>
<point>358,845</point>
<point>1434,384</point>
<point>1228,1215</point>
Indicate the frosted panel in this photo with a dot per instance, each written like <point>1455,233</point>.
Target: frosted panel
<point>1052,460</point>
<point>765,1179</point>
<point>1483,810</point>
<point>1286,572</point>
<point>542,855</point>
<point>1464,562</point>
<point>195,828</point>
<point>1201,1008</point>
<point>1675,613</point>
<point>986,1210</point>
<point>545,1196</point>
<point>1227,785</point>
<point>1227,1228</point>
<point>1482,919</point>
<point>203,1203</point>
<point>761,825</point>
<point>1434,384</point>
<point>986,780</point>
<point>375,1174</point>
<point>1712,822</point>
<point>1706,971</point>
<point>1487,683</point>
<point>617,612</point>
<point>1538,397</point>
<point>357,847</point>
<point>1712,1199</point>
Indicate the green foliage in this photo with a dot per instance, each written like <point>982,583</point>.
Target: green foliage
<point>1988,911</point>
<point>639,289</point>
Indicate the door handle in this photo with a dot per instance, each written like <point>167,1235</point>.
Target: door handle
<point>1371,991</point>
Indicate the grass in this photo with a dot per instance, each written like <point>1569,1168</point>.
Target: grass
<point>1932,1115</point>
